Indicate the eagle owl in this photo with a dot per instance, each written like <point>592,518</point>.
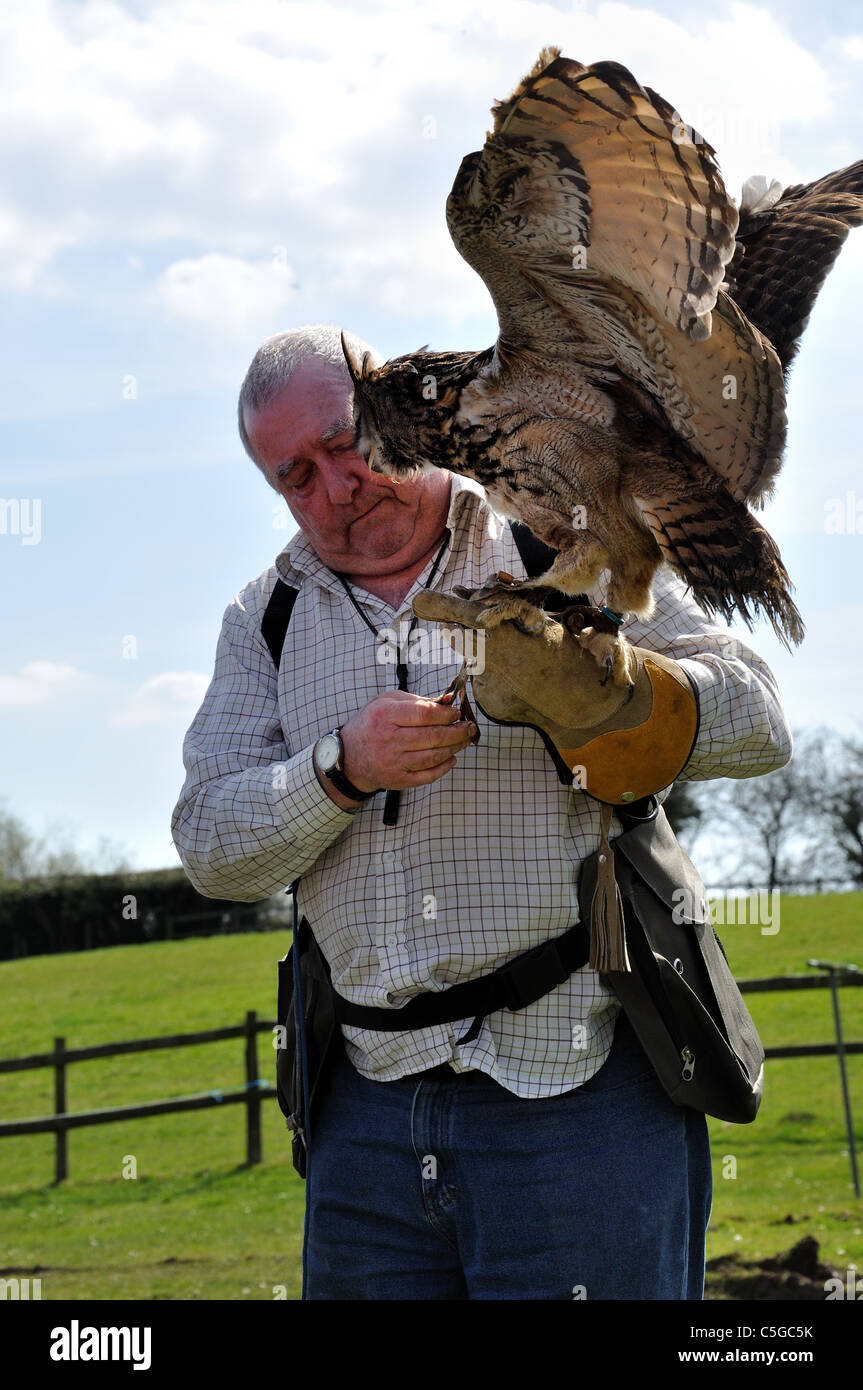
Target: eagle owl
<point>632,409</point>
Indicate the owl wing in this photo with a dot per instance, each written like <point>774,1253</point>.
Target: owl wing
<point>602,230</point>
<point>787,242</point>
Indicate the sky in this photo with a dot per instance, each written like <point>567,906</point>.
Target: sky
<point>180,180</point>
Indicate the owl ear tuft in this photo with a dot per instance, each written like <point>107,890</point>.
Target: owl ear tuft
<point>356,369</point>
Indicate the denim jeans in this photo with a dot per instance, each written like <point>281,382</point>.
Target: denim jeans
<point>448,1186</point>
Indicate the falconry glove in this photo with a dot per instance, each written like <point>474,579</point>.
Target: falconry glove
<point>618,743</point>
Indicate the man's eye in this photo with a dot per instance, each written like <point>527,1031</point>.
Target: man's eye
<point>298,477</point>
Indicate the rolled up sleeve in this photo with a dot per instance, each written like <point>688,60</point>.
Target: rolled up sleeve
<point>252,815</point>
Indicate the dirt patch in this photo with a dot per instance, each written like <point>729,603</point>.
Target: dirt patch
<point>796,1274</point>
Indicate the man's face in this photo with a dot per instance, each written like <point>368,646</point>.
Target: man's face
<point>359,522</point>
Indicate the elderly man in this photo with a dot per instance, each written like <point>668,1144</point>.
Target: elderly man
<point>449,1162</point>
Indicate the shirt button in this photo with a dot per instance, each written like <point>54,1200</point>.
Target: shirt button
<point>392,941</point>
<point>388,857</point>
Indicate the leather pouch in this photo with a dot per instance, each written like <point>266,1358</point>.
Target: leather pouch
<point>680,995</point>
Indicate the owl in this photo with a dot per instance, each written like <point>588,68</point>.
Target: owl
<point>632,409</point>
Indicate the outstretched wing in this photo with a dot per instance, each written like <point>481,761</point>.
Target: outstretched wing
<point>788,240</point>
<point>602,228</point>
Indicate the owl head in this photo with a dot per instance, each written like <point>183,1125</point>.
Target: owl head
<point>398,414</point>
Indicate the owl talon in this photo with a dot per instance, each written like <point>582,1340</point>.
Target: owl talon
<point>611,652</point>
<point>526,616</point>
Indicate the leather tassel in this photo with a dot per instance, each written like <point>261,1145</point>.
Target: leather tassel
<point>607,940</point>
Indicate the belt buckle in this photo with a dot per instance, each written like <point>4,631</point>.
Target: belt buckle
<point>539,972</point>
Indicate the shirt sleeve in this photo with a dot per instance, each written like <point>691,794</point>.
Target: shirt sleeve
<point>743,730</point>
<point>252,816</point>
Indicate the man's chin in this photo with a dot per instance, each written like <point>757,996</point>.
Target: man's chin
<point>378,533</point>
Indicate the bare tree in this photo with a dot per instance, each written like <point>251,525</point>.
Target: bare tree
<point>16,847</point>
<point>836,792</point>
<point>26,855</point>
<point>684,810</point>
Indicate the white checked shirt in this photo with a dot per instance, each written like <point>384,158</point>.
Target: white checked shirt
<point>482,864</point>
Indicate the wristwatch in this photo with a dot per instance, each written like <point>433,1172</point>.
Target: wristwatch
<point>329,755</point>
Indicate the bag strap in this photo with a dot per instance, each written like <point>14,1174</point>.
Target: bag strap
<point>277,615</point>
<point>535,556</point>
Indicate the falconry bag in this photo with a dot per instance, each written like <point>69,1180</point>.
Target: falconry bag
<point>680,995</point>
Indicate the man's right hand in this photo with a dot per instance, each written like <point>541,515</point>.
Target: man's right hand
<point>401,740</point>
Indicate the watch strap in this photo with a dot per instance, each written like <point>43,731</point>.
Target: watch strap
<point>346,787</point>
<point>338,777</point>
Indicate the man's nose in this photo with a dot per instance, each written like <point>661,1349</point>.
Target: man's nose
<point>342,478</point>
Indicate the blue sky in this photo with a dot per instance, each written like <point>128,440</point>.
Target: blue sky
<point>180,180</point>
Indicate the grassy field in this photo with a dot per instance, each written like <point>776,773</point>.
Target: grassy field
<point>195,1223</point>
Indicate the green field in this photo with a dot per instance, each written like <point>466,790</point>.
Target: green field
<point>196,1223</point>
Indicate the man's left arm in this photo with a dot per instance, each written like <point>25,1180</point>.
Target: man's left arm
<point>743,730</point>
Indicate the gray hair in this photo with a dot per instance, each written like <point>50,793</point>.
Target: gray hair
<point>278,358</point>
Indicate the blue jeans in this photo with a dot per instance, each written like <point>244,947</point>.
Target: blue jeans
<point>447,1186</point>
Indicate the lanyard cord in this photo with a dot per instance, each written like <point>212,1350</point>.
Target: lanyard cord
<point>393,798</point>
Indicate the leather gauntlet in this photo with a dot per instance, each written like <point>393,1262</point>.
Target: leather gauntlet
<point>617,744</point>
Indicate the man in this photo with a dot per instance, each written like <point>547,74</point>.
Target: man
<point>539,1158</point>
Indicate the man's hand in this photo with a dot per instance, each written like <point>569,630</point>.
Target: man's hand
<point>398,741</point>
<point>619,742</point>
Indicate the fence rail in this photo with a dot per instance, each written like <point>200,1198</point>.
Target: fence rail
<point>251,1094</point>
<point>254,1091</point>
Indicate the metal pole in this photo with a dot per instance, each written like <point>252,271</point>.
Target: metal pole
<point>832,975</point>
<point>846,1099</point>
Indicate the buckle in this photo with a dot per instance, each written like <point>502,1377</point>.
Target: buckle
<point>295,1124</point>
<point>534,975</point>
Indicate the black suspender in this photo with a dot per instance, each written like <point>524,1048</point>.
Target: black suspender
<point>277,615</point>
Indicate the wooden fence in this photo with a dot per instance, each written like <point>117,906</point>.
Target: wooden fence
<point>251,1094</point>
<point>255,1091</point>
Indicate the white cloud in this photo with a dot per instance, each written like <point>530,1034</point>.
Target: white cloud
<point>172,697</point>
<point>233,127</point>
<point>46,683</point>
<point>226,294</point>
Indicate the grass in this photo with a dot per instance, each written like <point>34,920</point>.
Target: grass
<point>196,1223</point>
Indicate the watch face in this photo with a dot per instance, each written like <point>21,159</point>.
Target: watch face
<point>328,750</point>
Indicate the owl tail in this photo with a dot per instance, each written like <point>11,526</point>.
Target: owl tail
<point>728,560</point>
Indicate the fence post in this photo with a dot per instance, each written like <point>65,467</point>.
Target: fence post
<point>253,1094</point>
<point>61,1153</point>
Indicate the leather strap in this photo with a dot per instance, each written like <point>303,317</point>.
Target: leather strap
<point>513,986</point>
